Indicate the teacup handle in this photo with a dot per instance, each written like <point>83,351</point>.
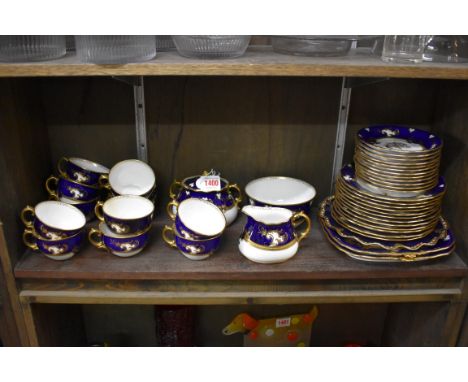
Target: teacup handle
<point>61,165</point>
<point>52,190</point>
<point>97,242</point>
<point>234,187</point>
<point>98,210</point>
<point>174,192</point>
<point>170,242</point>
<point>28,239</point>
<point>172,203</point>
<point>295,218</point>
<point>26,222</point>
<point>104,181</point>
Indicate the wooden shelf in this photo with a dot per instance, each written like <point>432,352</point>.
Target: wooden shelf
<point>316,260</point>
<point>258,61</point>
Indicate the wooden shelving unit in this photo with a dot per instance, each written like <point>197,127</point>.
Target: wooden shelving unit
<point>258,61</point>
<point>318,274</point>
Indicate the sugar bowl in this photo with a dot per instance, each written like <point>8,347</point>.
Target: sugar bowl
<point>225,196</point>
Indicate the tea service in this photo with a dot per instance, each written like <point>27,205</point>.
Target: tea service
<point>225,195</point>
<point>270,235</point>
<point>53,228</point>
<point>197,229</point>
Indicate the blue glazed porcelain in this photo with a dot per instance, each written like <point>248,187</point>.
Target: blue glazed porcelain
<point>191,248</point>
<point>329,222</point>
<point>196,218</point>
<point>272,227</point>
<point>348,174</point>
<point>119,245</point>
<point>280,191</point>
<point>63,187</point>
<point>227,198</point>
<point>53,219</point>
<point>81,170</point>
<point>423,249</point>
<point>372,134</point>
<point>58,249</point>
<point>126,214</point>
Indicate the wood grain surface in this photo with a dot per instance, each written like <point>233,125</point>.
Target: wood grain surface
<point>258,61</point>
<point>243,127</point>
<point>316,259</point>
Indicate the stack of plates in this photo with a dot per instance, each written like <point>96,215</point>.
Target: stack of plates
<point>439,243</point>
<point>388,207</point>
<point>385,217</point>
<point>401,160</point>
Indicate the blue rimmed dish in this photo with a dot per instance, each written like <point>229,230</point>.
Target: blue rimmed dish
<point>81,170</point>
<point>63,187</point>
<point>118,245</point>
<point>193,249</point>
<point>53,219</point>
<point>55,249</point>
<point>348,175</point>
<point>280,191</point>
<point>385,251</point>
<point>126,214</point>
<point>405,139</point>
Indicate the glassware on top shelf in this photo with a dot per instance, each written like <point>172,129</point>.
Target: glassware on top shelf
<point>404,48</point>
<point>115,49</point>
<point>164,43</point>
<point>212,46</point>
<point>31,48</point>
<point>446,49</point>
<point>314,45</point>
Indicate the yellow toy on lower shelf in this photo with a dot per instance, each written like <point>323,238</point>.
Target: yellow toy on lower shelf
<point>291,330</point>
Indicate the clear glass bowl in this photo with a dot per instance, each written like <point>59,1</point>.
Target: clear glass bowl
<point>31,48</point>
<point>164,43</point>
<point>446,49</point>
<point>211,46</point>
<point>404,48</point>
<point>115,49</point>
<point>319,46</point>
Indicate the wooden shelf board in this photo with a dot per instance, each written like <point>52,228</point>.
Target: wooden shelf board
<point>316,260</point>
<point>258,61</point>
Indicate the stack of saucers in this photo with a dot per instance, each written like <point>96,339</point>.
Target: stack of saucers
<point>388,207</point>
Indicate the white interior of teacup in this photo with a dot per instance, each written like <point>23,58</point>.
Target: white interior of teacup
<point>280,190</point>
<point>60,215</point>
<point>74,202</point>
<point>202,217</point>
<point>132,177</point>
<point>268,215</point>
<point>90,166</point>
<point>128,207</point>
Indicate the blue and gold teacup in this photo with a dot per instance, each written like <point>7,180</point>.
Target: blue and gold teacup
<point>81,170</point>
<point>196,218</point>
<point>119,245</point>
<point>126,214</point>
<point>193,249</point>
<point>55,249</point>
<point>53,219</point>
<point>63,187</point>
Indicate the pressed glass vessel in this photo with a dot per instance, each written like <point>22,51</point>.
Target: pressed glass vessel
<point>31,48</point>
<point>314,45</point>
<point>115,49</point>
<point>404,48</point>
<point>215,46</point>
<point>446,49</point>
